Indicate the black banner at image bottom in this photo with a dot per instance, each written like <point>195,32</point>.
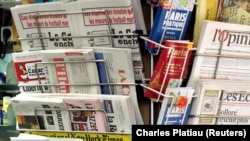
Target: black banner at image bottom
<point>204,132</point>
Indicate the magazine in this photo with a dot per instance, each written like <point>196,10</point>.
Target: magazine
<point>41,113</point>
<point>176,106</point>
<point>171,68</point>
<point>205,10</point>
<point>34,23</point>
<point>171,22</point>
<point>234,11</point>
<point>74,70</point>
<point>119,109</point>
<point>86,114</point>
<point>29,72</point>
<point>223,102</point>
<point>222,53</point>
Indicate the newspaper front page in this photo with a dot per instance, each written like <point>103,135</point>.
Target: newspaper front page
<point>222,102</point>
<point>222,53</point>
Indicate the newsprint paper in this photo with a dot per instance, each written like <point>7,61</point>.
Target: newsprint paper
<point>119,109</point>
<point>222,103</point>
<point>73,69</point>
<point>42,27</point>
<point>222,53</point>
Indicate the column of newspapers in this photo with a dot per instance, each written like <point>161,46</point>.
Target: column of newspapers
<point>92,70</point>
<point>220,74</point>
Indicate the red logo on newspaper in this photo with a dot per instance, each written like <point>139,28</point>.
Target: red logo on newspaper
<point>28,71</point>
<point>62,76</point>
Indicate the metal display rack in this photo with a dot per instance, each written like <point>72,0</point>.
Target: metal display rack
<point>85,135</point>
<point>160,93</point>
<point>159,46</point>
